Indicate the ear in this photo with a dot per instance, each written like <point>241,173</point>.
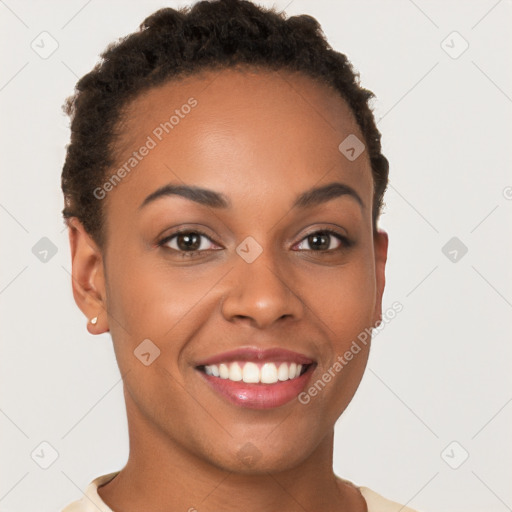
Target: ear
<point>88,280</point>
<point>380,245</point>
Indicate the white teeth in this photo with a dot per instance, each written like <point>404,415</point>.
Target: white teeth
<point>268,373</point>
<point>251,373</point>
<point>283,372</point>
<point>235,372</point>
<point>223,371</point>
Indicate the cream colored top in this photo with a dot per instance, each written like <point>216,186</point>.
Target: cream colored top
<point>91,501</point>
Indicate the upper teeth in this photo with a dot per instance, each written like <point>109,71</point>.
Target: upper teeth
<point>268,373</point>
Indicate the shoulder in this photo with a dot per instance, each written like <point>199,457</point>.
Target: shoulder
<point>377,503</point>
<point>374,501</point>
<point>91,501</point>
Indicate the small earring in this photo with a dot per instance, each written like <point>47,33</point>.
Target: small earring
<point>94,320</point>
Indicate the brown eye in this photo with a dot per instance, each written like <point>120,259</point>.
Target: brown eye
<point>188,242</point>
<point>323,241</point>
<point>319,241</point>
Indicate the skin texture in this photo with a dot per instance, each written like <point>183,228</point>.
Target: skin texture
<point>261,139</point>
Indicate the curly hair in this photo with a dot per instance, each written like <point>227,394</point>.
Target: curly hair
<point>170,44</point>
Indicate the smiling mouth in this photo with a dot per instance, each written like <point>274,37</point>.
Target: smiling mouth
<point>253,378</point>
<point>256,372</point>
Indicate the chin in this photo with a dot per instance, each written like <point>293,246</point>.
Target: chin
<point>259,463</point>
<point>258,457</point>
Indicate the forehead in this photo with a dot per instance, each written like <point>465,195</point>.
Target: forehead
<point>244,133</point>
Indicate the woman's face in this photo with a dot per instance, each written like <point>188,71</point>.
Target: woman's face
<point>254,270</point>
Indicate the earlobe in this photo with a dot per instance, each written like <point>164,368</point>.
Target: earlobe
<point>381,254</point>
<point>87,277</point>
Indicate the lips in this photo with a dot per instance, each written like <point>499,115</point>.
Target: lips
<point>258,379</point>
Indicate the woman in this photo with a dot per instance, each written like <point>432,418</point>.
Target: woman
<point>222,190</point>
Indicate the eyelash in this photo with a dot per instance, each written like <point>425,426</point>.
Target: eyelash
<point>346,243</point>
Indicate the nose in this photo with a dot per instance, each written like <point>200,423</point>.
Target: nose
<point>261,294</point>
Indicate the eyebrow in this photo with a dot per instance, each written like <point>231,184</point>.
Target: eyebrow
<point>206,197</point>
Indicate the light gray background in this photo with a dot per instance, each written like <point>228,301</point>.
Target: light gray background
<point>438,373</point>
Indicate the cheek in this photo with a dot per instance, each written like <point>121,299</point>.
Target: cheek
<point>344,301</point>
<point>149,298</point>
<point>344,304</point>
<point>148,301</point>
<point>343,298</point>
